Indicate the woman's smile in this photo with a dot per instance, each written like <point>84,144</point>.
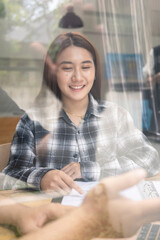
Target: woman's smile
<point>77,88</point>
<point>75,74</point>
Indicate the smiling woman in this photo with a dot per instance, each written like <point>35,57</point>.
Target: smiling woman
<point>70,134</point>
<point>59,46</point>
<point>75,78</point>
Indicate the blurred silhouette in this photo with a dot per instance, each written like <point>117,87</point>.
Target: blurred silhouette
<point>151,95</point>
<point>8,106</point>
<point>70,19</point>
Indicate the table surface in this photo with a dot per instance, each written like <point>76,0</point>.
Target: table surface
<point>26,198</point>
<point>33,199</point>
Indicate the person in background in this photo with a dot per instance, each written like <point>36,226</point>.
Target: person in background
<point>70,134</point>
<point>151,70</point>
<point>151,93</point>
<point>8,106</point>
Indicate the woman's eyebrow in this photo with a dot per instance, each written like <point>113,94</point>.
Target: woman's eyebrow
<point>65,62</point>
<point>87,61</point>
<point>68,62</point>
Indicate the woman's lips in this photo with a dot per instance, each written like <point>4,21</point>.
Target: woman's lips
<point>77,87</point>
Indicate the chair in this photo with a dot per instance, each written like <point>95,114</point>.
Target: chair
<point>4,155</point>
<point>7,128</point>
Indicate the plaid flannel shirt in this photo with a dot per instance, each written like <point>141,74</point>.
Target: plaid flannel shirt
<point>105,143</point>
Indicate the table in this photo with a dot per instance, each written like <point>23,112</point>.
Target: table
<point>31,199</point>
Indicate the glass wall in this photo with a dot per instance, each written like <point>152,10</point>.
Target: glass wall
<point>124,32</point>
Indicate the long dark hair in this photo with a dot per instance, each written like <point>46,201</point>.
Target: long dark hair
<point>57,46</point>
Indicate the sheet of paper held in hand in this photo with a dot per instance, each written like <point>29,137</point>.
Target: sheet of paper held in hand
<point>145,189</point>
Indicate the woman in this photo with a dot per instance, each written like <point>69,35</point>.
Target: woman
<point>73,135</point>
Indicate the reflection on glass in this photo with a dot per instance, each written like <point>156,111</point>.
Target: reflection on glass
<point>123,33</point>
<point>118,32</point>
<point>151,101</point>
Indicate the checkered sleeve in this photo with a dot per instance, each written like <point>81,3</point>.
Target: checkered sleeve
<point>134,150</point>
<point>22,154</point>
<point>90,170</point>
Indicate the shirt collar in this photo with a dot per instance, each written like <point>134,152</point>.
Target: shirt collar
<point>93,109</point>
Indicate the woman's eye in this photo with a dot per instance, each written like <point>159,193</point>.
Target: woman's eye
<point>86,67</point>
<point>67,68</point>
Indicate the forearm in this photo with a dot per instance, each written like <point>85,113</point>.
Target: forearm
<point>78,225</point>
<point>83,223</point>
<point>143,157</point>
<point>136,152</point>
<point>9,210</point>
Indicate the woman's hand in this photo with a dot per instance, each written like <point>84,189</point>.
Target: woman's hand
<point>73,170</point>
<point>59,182</point>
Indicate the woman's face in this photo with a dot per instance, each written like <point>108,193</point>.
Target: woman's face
<point>75,73</point>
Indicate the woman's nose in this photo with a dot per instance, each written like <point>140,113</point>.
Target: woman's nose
<point>76,75</point>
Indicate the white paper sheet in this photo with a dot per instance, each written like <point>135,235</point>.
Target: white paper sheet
<point>75,199</point>
<point>145,189</point>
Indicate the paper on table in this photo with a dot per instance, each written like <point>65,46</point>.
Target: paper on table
<point>75,199</point>
<point>143,190</point>
<point>132,193</point>
<point>149,189</point>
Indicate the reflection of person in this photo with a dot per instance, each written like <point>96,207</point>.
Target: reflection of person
<point>26,218</point>
<point>70,19</point>
<point>50,150</point>
<point>151,71</point>
<point>104,213</point>
<point>8,106</point>
<point>151,99</point>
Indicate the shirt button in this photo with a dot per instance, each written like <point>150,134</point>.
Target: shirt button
<point>78,132</point>
<point>75,155</point>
